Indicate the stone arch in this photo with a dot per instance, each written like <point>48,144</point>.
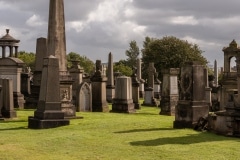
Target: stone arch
<point>232,64</point>
<point>84,97</point>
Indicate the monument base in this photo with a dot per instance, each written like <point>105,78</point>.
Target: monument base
<point>9,114</point>
<point>18,100</point>
<point>168,104</point>
<point>69,109</point>
<point>137,106</point>
<point>35,123</point>
<point>123,106</point>
<point>100,107</point>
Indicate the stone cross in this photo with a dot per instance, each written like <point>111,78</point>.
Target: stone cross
<point>151,73</point>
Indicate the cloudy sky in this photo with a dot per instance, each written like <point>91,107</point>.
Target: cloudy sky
<point>96,27</point>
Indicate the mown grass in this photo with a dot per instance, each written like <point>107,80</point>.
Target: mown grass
<point>145,135</point>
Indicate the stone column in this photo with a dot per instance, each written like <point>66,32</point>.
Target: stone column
<point>16,51</point>
<point>207,88</point>
<point>3,51</point>
<point>11,51</point>
<point>139,76</point>
<point>110,81</point>
<point>56,33</point>
<point>49,113</point>
<point>215,73</point>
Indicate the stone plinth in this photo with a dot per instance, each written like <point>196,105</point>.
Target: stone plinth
<point>192,104</point>
<point>49,113</point>
<point>170,95</point>
<point>123,102</point>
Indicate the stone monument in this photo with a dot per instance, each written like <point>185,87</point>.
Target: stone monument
<point>192,104</point>
<point>135,89</point>
<point>99,101</point>
<point>110,81</point>
<point>123,102</point>
<point>170,93</point>
<point>49,113</point>
<point>56,46</point>
<point>139,76</point>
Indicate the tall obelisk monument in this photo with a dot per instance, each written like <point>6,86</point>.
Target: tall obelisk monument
<point>56,46</point>
<point>56,33</point>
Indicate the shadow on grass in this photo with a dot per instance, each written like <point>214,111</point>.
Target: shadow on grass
<point>145,130</point>
<point>190,139</point>
<point>13,129</point>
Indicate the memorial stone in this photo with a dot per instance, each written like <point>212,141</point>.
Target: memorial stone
<point>84,98</point>
<point>110,81</point>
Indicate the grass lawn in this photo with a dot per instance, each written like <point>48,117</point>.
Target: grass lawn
<point>145,135</point>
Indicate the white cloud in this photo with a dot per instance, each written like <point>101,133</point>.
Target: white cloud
<point>184,20</point>
<point>35,20</point>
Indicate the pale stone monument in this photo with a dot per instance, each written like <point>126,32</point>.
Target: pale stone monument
<point>192,104</point>
<point>49,113</point>
<point>84,98</point>
<point>139,76</point>
<point>7,105</point>
<point>110,81</point>
<point>123,102</point>
<point>98,81</point>
<point>56,46</point>
<point>170,92</point>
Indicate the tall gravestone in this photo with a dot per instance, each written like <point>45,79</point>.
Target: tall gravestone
<point>123,101</point>
<point>84,98</point>
<point>98,81</point>
<point>49,113</point>
<point>135,89</point>
<point>7,103</point>
<point>170,92</point>
<point>110,81</point>
<point>41,52</point>
<point>56,46</point>
<point>139,76</point>
<point>192,104</point>
<point>149,99</point>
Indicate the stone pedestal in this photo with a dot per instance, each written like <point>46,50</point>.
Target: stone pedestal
<point>99,101</point>
<point>192,104</point>
<point>123,102</point>
<point>149,99</point>
<point>49,113</point>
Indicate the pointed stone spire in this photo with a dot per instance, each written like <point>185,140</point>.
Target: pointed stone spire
<point>56,33</point>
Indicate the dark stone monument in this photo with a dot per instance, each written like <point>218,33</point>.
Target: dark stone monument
<point>135,89</point>
<point>110,81</point>
<point>191,105</point>
<point>98,81</point>
<point>7,107</point>
<point>1,103</point>
<point>49,113</point>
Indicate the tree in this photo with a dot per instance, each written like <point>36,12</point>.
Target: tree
<point>169,52</point>
<point>28,59</point>
<point>86,63</point>
<point>132,53</point>
<point>120,67</point>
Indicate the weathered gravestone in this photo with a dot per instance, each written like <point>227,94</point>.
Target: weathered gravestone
<point>135,89</point>
<point>123,101</point>
<point>110,81</point>
<point>56,46</point>
<point>49,113</point>
<point>99,100</point>
<point>7,107</point>
<point>84,97</point>
<point>170,93</point>
<point>191,105</point>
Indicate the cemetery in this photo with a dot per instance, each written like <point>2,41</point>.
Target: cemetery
<point>58,112</point>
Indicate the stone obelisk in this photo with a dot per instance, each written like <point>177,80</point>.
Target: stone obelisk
<point>110,81</point>
<point>56,46</point>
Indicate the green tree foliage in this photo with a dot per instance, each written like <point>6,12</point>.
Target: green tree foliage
<point>28,59</point>
<point>124,69</point>
<point>169,52</point>
<point>132,53</point>
<point>85,63</point>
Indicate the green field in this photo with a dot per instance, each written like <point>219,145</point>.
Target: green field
<point>145,135</point>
